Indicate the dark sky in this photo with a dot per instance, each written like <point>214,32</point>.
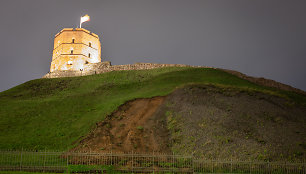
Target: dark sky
<point>262,38</point>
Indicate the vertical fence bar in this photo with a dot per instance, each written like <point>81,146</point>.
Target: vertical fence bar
<point>172,162</point>
<point>192,163</point>
<point>1,158</point>
<point>67,162</point>
<point>45,158</point>
<point>132,161</point>
<point>111,157</point>
<point>250,167</point>
<point>231,164</point>
<point>212,166</point>
<point>21,159</point>
<point>153,162</point>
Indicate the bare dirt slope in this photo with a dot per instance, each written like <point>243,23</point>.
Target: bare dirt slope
<point>208,122</point>
<point>133,127</point>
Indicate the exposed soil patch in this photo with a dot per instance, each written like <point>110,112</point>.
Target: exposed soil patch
<point>133,127</point>
<point>207,122</point>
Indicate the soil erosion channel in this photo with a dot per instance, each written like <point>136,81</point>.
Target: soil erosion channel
<point>133,127</point>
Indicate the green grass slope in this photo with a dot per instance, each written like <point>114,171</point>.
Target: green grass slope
<point>55,113</point>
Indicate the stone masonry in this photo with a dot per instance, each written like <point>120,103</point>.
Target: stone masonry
<point>74,49</point>
<point>103,67</point>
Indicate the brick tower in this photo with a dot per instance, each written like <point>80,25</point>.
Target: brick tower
<point>74,48</point>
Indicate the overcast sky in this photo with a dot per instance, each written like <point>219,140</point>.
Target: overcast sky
<point>262,38</point>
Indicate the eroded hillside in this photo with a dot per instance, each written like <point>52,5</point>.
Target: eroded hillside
<point>133,127</point>
<point>205,121</point>
<point>54,113</point>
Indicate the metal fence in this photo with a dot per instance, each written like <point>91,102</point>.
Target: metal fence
<point>84,162</point>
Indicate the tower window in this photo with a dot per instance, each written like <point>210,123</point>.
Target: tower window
<point>71,51</point>
<point>72,40</point>
<point>88,54</point>
<point>89,44</point>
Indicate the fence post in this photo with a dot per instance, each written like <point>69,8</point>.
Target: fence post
<point>45,156</point>
<point>67,161</point>
<point>153,161</point>
<point>212,166</point>
<point>172,162</point>
<point>111,157</point>
<point>132,161</point>
<point>231,164</point>
<point>20,159</point>
<point>89,155</point>
<point>192,160</point>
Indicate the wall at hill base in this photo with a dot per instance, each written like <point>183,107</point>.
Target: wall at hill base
<point>103,67</point>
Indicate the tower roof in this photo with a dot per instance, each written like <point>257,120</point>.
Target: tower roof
<point>77,29</point>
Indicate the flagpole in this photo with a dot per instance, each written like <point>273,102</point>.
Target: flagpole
<point>81,23</point>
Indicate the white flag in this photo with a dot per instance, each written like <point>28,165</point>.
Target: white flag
<point>84,19</point>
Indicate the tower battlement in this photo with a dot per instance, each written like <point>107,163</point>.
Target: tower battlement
<point>77,29</point>
<point>74,49</point>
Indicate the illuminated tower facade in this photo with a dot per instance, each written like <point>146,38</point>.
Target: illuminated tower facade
<point>74,48</point>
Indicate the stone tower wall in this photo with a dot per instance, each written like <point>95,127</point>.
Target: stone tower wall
<point>74,48</point>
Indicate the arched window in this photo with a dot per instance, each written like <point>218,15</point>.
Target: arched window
<point>89,55</point>
<point>71,51</point>
<point>72,40</point>
<point>89,44</point>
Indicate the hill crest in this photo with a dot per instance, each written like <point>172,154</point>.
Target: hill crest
<point>54,113</point>
<point>103,67</point>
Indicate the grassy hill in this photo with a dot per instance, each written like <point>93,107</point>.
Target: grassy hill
<point>56,113</point>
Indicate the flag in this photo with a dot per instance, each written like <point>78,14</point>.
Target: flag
<point>85,18</point>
